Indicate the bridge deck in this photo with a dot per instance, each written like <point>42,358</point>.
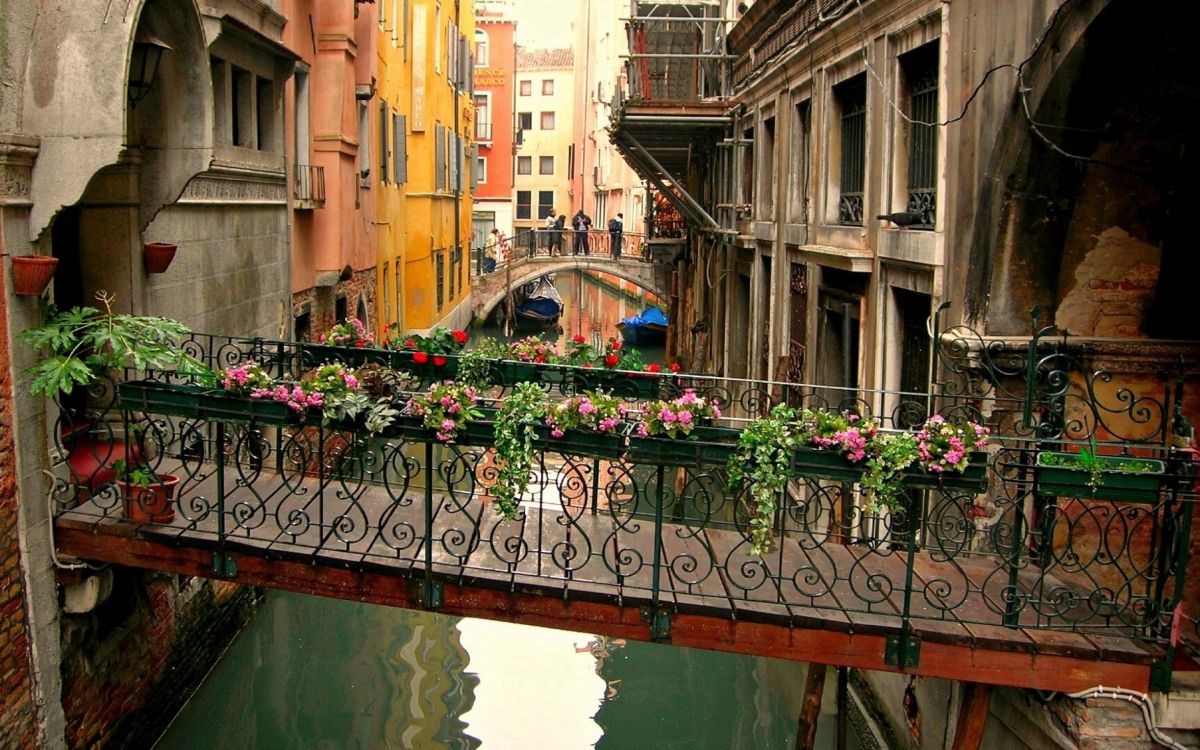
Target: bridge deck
<point>580,568</point>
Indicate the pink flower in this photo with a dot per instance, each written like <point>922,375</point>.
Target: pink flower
<point>685,417</point>
<point>556,432</point>
<point>448,425</point>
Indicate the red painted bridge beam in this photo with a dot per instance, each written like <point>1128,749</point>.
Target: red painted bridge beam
<point>862,651</point>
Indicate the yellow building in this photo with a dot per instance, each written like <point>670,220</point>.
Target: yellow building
<point>420,122</point>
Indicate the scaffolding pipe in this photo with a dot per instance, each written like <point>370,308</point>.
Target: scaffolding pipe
<point>679,56</point>
<point>677,119</point>
<point>682,193</point>
<point>679,19</point>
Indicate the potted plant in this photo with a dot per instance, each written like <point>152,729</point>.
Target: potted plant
<point>434,355</point>
<point>762,462</point>
<point>588,423</point>
<point>1087,474</point>
<point>478,365</point>
<point>85,343</point>
<point>447,408</point>
<point>950,455</point>
<point>145,495</point>
<point>680,430</point>
<point>31,274</point>
<point>157,256</point>
<point>832,445</point>
<point>349,342</point>
<point>514,433</point>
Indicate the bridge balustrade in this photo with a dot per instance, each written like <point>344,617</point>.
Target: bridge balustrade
<point>546,243</point>
<point>1006,554</point>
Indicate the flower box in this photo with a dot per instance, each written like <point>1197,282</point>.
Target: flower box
<point>972,479</point>
<point>511,372</point>
<point>710,446</point>
<point>194,402</point>
<point>1111,482</point>
<point>626,385</point>
<point>819,463</point>
<point>583,442</point>
<point>313,355</point>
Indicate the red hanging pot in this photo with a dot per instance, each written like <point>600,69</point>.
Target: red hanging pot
<point>32,273</point>
<point>157,256</point>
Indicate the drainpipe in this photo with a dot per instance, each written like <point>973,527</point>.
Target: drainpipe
<point>1138,699</point>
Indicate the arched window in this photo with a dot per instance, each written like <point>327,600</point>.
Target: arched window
<point>481,48</point>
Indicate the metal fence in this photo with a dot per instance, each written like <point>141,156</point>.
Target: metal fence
<point>544,243</point>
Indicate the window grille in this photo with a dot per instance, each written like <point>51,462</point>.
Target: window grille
<point>852,98</point>
<point>921,69</point>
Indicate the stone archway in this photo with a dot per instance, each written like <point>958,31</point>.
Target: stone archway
<point>1090,238</point>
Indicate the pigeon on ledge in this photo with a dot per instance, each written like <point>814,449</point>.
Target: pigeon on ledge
<point>903,218</point>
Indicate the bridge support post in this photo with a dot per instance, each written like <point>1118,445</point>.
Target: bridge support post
<point>431,592</point>
<point>224,565</point>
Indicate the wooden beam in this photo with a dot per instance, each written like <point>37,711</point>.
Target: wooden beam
<point>972,716</point>
<point>810,707</point>
<point>401,587</point>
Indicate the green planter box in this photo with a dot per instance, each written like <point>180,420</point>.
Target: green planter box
<point>315,355</point>
<point>818,463</point>
<point>972,479</point>
<point>510,372</point>
<point>1061,481</point>
<point>707,446</point>
<point>583,443</point>
<point>624,385</point>
<point>194,402</point>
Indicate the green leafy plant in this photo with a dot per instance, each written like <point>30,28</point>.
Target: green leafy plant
<point>139,476</point>
<point>763,462</point>
<point>514,434</point>
<point>475,366</point>
<point>1097,466</point>
<point>889,456</point>
<point>84,343</point>
<point>446,408</point>
<point>677,417</point>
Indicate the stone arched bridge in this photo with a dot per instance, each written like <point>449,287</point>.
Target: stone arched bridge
<point>490,289</point>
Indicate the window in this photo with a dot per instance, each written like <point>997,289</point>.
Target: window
<point>439,157</point>
<point>387,294</point>
<point>524,209</point>
<point>481,48</point>
<point>524,165</point>
<point>220,101</point>
<point>480,170</point>
<point>526,88</point>
<point>545,203</point>
<point>384,125</point>
<point>440,260</point>
<point>243,107</point>
<point>547,121</point>
<point>764,149</point>
<point>437,47</point>
<point>851,98</point>
<point>798,163</point>
<point>545,165</point>
<point>364,142</point>
<point>571,162</point>
<point>399,148</point>
<point>265,111</point>
<point>548,87</point>
<point>920,71</point>
<point>524,121</point>
<point>300,116</point>
<point>483,117</point>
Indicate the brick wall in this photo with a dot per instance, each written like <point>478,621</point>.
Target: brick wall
<point>18,713</point>
<point>320,302</point>
<point>129,666</point>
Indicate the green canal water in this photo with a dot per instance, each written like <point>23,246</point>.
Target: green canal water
<point>310,673</point>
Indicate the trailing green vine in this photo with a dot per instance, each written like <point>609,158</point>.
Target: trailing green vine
<point>763,460</point>
<point>514,432</point>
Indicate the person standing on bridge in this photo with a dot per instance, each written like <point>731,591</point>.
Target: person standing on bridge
<point>616,226</point>
<point>581,223</point>
<point>556,234</point>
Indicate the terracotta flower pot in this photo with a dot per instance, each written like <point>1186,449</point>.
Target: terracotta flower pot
<point>32,273</point>
<point>150,504</point>
<point>157,256</point>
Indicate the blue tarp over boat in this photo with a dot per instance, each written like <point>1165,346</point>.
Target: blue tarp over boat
<point>649,327</point>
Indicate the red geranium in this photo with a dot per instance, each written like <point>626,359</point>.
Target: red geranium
<point>359,344</point>
<point>616,345</point>
<point>579,338</point>
<point>654,367</point>
<point>410,343</point>
<point>420,357</point>
<point>460,337</point>
<point>675,367</point>
<point>611,360</point>
<point>438,360</point>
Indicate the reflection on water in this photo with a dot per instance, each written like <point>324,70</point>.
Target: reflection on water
<point>592,307</point>
<point>318,674</point>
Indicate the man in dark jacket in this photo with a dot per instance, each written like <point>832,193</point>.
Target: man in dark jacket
<point>616,226</point>
<point>581,223</point>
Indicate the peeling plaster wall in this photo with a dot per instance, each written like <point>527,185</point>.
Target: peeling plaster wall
<point>1112,287</point>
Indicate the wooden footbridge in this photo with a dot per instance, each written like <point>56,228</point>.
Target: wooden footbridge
<point>996,582</point>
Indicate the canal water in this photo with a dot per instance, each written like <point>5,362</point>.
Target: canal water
<point>310,673</point>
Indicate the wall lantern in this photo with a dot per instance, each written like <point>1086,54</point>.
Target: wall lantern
<point>143,65</point>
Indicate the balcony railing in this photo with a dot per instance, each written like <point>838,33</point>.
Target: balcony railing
<point>483,132</point>
<point>1008,545</point>
<point>309,186</point>
<point>542,243</point>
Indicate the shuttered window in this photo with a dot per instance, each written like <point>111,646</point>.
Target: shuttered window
<point>400,148</point>
<point>439,158</point>
<point>852,101</point>
<point>383,141</point>
<point>453,149</point>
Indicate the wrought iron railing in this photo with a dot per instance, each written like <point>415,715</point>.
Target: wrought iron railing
<point>654,523</point>
<point>544,243</point>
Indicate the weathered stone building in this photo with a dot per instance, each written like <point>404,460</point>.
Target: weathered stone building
<point>1017,155</point>
<point>96,159</point>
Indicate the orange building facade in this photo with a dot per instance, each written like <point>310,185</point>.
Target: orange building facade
<point>495,64</point>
